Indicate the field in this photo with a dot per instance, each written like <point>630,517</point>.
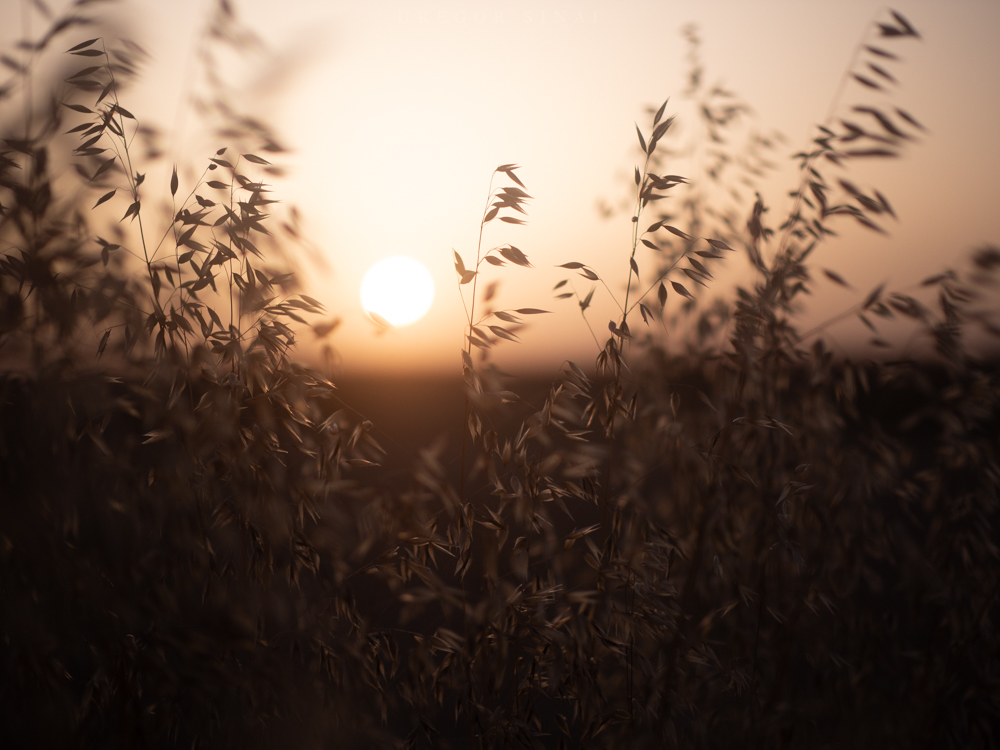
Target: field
<point>207,542</point>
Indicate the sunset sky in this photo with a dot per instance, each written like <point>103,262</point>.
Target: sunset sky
<point>397,113</point>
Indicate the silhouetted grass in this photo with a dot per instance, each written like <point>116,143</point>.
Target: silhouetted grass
<point>756,544</point>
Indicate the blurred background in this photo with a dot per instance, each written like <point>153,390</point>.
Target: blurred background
<point>396,113</point>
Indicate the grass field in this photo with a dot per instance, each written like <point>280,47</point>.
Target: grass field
<point>205,542</point>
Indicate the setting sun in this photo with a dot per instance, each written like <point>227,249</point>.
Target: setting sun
<point>398,289</point>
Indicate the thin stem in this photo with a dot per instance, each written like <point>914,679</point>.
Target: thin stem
<point>853,310</point>
<point>130,175</point>
<point>616,380</point>
<point>635,235</point>
<point>583,314</point>
<point>479,249</point>
<point>184,205</point>
<point>471,312</point>
<point>834,103</point>
<point>664,275</point>
<point>612,295</point>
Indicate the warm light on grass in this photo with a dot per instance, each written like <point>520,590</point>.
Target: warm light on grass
<point>738,539</point>
<point>398,289</point>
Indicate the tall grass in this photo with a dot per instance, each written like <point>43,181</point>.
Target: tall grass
<point>757,544</point>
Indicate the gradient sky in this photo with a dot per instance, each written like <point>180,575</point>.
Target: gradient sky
<point>397,113</point>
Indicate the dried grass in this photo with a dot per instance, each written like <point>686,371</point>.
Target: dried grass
<point>756,544</point>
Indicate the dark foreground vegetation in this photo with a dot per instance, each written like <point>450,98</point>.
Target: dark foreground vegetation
<point>757,544</point>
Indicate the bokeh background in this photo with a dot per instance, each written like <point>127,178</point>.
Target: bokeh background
<point>396,113</point>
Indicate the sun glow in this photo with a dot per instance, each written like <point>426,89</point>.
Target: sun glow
<point>398,289</point>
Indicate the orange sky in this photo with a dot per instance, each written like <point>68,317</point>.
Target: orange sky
<point>399,111</point>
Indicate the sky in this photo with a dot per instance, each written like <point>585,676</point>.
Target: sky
<point>397,113</point>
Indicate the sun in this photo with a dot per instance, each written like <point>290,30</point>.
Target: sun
<point>399,289</point>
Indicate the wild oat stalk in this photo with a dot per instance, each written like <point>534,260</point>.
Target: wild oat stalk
<point>225,242</point>
<point>611,361</point>
<point>479,333</point>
